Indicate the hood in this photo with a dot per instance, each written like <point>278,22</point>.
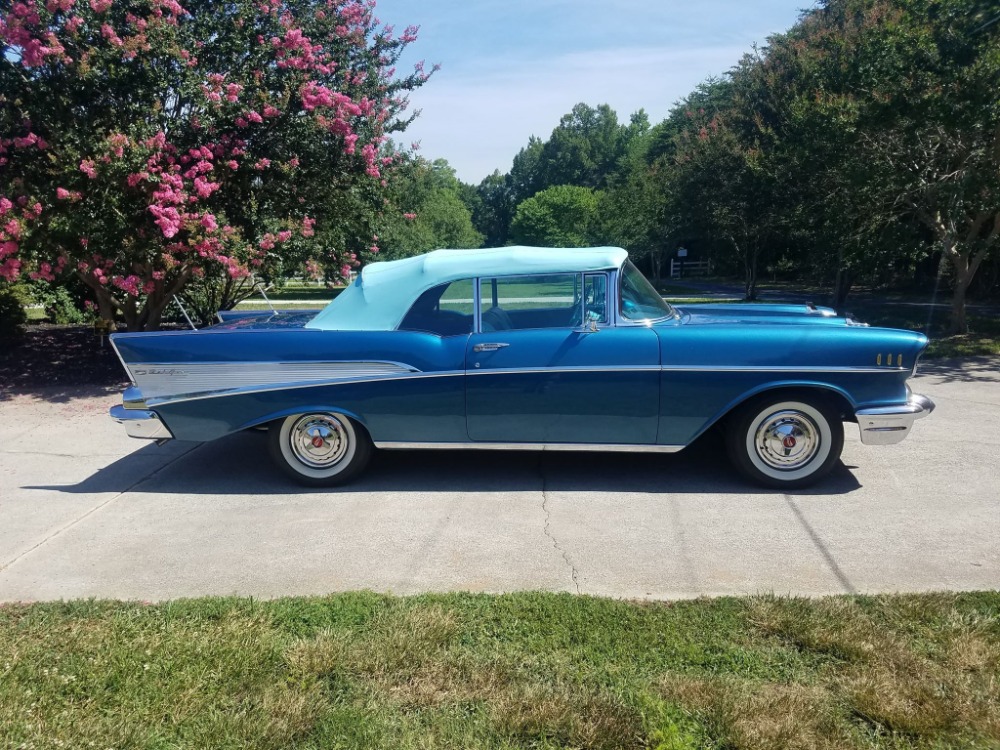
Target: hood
<point>707,314</point>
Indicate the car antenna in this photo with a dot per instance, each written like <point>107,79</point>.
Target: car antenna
<point>185,313</point>
<point>263,293</point>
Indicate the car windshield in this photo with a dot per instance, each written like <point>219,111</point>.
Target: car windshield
<point>639,300</point>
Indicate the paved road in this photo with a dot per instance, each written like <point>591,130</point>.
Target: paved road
<point>85,511</point>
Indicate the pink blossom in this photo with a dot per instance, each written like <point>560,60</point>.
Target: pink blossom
<point>204,188</point>
<point>5,206</point>
<point>409,216</point>
<point>208,221</point>
<point>307,226</point>
<point>233,165</point>
<point>73,24</point>
<point>262,164</point>
<point>100,6</point>
<point>10,269</point>
<point>254,117</point>
<point>88,167</point>
<point>109,33</point>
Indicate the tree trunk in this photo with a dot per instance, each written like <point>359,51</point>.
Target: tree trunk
<point>750,277</point>
<point>842,288</point>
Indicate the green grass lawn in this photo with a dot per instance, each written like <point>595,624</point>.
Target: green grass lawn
<point>526,670</point>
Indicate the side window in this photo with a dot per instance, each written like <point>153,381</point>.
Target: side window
<point>446,310</point>
<point>550,301</point>
<point>595,298</point>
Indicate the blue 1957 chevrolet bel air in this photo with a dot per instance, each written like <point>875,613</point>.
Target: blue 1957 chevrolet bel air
<point>526,348</point>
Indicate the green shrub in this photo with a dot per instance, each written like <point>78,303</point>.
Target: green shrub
<point>63,302</point>
<point>12,315</point>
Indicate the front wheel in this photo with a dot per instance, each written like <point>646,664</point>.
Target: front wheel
<point>319,449</point>
<point>785,443</point>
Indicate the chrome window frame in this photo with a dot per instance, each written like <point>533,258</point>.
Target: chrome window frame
<point>620,319</point>
<point>579,276</point>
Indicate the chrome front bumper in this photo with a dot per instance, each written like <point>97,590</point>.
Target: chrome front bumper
<point>140,423</point>
<point>886,425</point>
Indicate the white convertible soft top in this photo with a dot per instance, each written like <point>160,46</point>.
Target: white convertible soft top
<point>383,292</point>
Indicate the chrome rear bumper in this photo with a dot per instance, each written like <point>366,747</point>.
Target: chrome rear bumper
<point>141,423</point>
<point>885,425</point>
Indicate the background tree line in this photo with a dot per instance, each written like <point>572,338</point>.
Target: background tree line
<point>160,149</point>
<point>861,146</point>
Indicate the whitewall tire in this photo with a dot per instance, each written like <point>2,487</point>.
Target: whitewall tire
<point>785,441</point>
<point>319,448</point>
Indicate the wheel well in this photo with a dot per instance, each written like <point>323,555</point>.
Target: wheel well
<point>833,399</point>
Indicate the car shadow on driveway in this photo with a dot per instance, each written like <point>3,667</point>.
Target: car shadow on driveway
<point>239,465</point>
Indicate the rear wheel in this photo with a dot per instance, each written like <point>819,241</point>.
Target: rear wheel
<point>319,449</point>
<point>785,442</point>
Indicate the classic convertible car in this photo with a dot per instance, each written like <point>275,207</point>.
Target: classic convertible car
<point>526,348</point>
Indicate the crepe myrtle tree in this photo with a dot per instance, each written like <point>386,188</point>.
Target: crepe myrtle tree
<point>148,143</point>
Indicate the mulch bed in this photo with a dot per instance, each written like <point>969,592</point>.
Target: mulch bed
<point>52,355</point>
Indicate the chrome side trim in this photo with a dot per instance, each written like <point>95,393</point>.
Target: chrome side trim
<point>167,383</point>
<point>782,368</point>
<point>165,379</point>
<point>590,447</point>
<point>247,390</point>
<point>140,423</point>
<point>887,425</point>
<point>536,370</point>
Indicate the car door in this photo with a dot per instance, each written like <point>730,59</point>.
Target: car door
<point>547,366</point>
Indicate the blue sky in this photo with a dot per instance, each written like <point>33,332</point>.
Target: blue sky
<point>511,68</point>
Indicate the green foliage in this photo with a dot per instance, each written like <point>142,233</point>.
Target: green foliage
<point>149,145</point>
<point>64,303</point>
<point>587,149</point>
<point>861,146</point>
<point>494,210</point>
<point>12,315</point>
<point>560,216</point>
<point>430,211</point>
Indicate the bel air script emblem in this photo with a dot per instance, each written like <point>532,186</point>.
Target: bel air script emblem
<point>160,371</point>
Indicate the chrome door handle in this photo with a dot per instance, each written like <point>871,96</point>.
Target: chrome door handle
<point>488,347</point>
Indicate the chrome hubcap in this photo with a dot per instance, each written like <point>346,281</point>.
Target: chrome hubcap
<point>787,440</point>
<point>318,440</point>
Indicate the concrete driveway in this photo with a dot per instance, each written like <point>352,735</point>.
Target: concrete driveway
<point>88,512</point>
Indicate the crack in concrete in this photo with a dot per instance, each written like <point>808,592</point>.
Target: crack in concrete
<point>546,528</point>
<point>76,521</point>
